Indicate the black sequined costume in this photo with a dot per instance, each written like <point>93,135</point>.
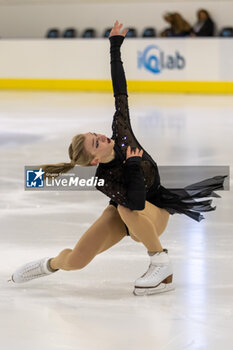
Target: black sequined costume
<point>133,181</point>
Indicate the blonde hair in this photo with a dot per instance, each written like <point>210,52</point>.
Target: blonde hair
<point>78,156</point>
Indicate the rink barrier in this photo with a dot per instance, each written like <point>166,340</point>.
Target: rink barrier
<point>200,87</point>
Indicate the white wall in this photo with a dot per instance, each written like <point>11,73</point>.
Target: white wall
<point>32,20</point>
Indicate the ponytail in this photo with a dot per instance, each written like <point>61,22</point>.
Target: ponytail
<point>54,170</point>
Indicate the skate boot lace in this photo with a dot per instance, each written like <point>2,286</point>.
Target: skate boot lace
<point>27,272</point>
<point>152,271</point>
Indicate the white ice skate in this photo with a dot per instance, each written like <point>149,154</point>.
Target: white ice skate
<point>29,271</point>
<point>158,277</point>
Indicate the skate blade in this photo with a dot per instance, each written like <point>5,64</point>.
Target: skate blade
<point>162,288</point>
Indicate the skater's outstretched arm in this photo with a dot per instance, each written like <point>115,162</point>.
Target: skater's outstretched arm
<point>117,72</point>
<point>118,81</point>
<point>121,125</point>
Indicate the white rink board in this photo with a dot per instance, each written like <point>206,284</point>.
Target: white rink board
<point>174,59</point>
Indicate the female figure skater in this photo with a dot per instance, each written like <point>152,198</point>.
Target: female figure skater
<point>139,205</point>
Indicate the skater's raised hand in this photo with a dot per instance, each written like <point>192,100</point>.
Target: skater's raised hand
<point>131,153</point>
<point>116,30</point>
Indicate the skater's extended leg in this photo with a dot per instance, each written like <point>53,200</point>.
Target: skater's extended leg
<point>106,231</point>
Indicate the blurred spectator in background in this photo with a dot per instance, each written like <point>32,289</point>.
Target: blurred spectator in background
<point>204,25</point>
<point>178,26</point>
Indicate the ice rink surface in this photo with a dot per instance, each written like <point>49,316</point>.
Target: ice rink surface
<point>95,308</point>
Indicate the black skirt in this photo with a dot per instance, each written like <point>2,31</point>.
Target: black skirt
<point>190,199</point>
